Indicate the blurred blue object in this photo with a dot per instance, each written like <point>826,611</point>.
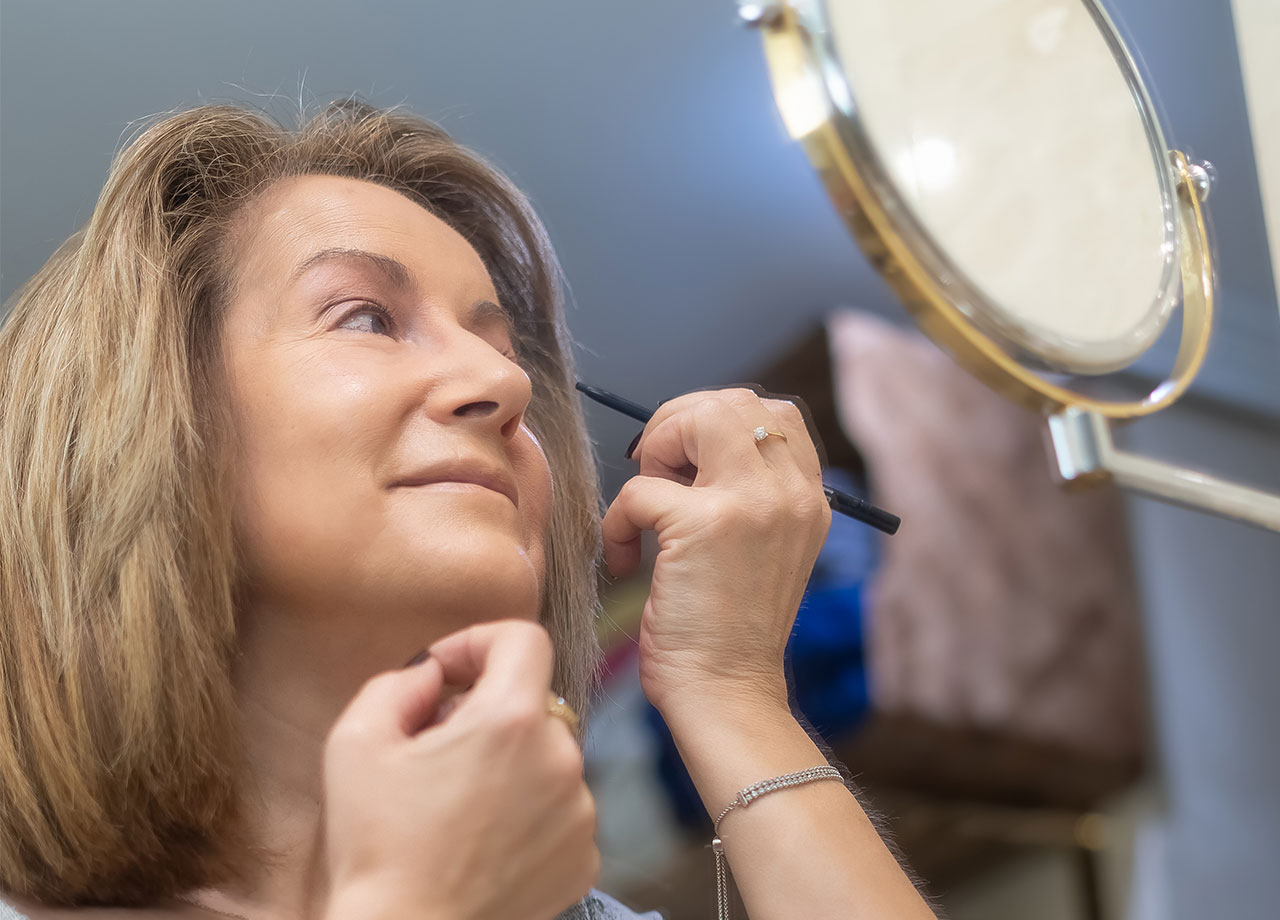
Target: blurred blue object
<point>825,656</point>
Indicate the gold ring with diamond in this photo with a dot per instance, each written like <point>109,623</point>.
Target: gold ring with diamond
<point>761,433</point>
<point>557,707</point>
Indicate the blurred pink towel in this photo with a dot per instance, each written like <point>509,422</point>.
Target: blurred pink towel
<point>1005,602</point>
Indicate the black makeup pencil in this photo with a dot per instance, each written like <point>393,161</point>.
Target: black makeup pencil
<point>846,504</point>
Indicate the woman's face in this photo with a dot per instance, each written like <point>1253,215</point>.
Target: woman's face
<point>368,372</point>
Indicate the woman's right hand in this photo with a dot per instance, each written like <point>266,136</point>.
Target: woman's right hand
<point>483,815</point>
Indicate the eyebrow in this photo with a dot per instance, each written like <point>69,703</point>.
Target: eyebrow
<point>393,269</point>
<point>398,274</point>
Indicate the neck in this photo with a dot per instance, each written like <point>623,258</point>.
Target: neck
<point>294,677</point>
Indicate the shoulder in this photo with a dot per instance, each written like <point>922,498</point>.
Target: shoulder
<point>596,906</point>
<point>600,906</point>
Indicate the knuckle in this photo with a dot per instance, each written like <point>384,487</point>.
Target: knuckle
<point>809,506</point>
<point>813,512</point>
<point>707,410</point>
<point>629,490</point>
<point>722,510</point>
<point>753,511</point>
<point>787,410</point>
<point>740,397</point>
<point>822,525</point>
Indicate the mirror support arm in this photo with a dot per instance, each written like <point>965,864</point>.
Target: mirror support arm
<point>1086,453</point>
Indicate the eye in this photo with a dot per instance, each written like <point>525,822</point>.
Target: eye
<point>371,317</point>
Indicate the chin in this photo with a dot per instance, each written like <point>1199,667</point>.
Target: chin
<point>474,583</point>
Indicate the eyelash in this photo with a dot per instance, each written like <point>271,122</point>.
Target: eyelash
<point>370,307</point>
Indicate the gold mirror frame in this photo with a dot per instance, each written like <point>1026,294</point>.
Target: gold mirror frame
<point>1079,424</point>
<point>796,65</point>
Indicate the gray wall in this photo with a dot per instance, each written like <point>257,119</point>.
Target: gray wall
<point>694,234</point>
<point>1212,608</point>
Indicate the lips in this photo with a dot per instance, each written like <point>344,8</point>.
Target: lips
<point>489,477</point>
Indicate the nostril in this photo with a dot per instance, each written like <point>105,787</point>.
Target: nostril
<point>510,429</point>
<point>484,407</point>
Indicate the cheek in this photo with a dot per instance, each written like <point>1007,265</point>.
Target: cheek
<point>537,487</point>
<point>300,426</point>
<point>304,439</point>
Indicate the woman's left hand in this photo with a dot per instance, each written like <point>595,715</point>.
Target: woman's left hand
<point>739,526</point>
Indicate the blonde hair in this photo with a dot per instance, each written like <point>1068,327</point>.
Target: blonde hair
<point>119,751</point>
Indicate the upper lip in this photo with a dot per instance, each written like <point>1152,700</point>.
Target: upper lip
<point>491,477</point>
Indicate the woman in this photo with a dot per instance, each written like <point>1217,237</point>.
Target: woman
<point>292,407</point>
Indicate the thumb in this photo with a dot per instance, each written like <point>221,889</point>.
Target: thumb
<point>395,705</point>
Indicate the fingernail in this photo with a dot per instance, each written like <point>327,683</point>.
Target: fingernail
<point>418,658</point>
<point>632,449</point>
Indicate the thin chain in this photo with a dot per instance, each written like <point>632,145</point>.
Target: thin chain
<point>722,886</point>
<point>746,797</point>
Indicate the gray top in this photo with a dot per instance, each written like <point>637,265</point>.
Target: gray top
<point>599,906</point>
<point>595,906</point>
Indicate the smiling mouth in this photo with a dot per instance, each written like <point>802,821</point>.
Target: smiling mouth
<point>454,485</point>
<point>470,476</point>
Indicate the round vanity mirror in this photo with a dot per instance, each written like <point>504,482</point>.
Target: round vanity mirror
<point>1002,164</point>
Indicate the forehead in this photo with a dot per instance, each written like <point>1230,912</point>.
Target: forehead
<point>301,215</point>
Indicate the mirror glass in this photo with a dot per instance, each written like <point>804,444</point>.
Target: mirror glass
<point>1021,157</point>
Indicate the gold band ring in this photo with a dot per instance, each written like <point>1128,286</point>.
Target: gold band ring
<point>557,707</point>
<point>761,433</point>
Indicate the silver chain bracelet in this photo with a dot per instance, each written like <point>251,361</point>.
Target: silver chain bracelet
<point>745,798</point>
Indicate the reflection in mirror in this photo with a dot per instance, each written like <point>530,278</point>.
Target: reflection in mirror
<point>1002,165</point>
<point>1023,154</point>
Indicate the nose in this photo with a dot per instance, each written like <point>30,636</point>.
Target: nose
<point>478,384</point>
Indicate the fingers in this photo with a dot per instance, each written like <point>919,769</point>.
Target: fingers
<point>706,441</point>
<point>395,704</point>
<point>641,504</point>
<point>792,420</point>
<point>503,661</point>
<point>708,436</point>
